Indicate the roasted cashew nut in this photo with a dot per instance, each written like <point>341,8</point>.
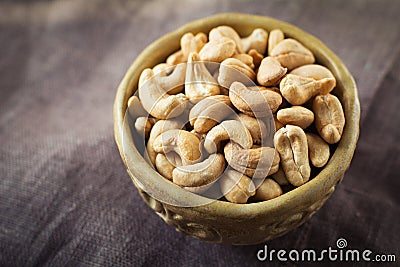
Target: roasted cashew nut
<point>218,50</point>
<point>165,164</point>
<point>318,150</point>
<point>291,143</point>
<point>135,108</point>
<point>270,72</point>
<point>297,90</point>
<point>256,40</point>
<point>155,99</point>
<point>329,117</point>
<point>269,189</point>
<point>316,72</point>
<point>192,43</point>
<point>236,187</point>
<point>199,83</point>
<point>256,127</point>
<point>200,174</point>
<point>254,162</point>
<point>158,128</point>
<point>209,112</point>
<point>143,125</point>
<point>252,100</point>
<point>228,130</point>
<point>275,37</point>
<point>233,69</point>
<point>226,32</point>
<point>292,54</point>
<point>296,115</point>
<point>184,143</point>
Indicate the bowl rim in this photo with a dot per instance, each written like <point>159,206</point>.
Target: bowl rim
<point>304,195</point>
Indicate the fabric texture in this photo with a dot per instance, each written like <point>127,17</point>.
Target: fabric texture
<point>65,196</point>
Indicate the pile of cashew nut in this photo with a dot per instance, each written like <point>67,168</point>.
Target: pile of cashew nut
<point>191,137</point>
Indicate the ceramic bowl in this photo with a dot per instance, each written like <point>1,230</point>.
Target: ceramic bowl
<point>220,221</point>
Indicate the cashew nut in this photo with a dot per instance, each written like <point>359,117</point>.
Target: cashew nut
<point>158,128</point>
<point>199,82</point>
<point>257,57</point>
<point>176,58</point>
<point>236,187</point>
<point>278,124</point>
<point>270,72</point>
<point>226,32</point>
<point>254,162</point>
<point>329,117</point>
<point>246,59</point>
<point>316,72</point>
<point>135,108</point>
<point>275,37</point>
<point>232,70</point>
<point>209,112</point>
<point>218,50</point>
<point>256,40</point>
<point>298,90</point>
<point>296,115</point>
<point>165,164</point>
<point>318,150</point>
<point>143,125</point>
<point>252,100</point>
<point>280,177</point>
<point>292,54</point>
<point>192,43</point>
<point>201,173</point>
<point>291,143</point>
<point>184,143</point>
<point>256,127</point>
<point>228,130</point>
<point>269,189</point>
<point>154,97</point>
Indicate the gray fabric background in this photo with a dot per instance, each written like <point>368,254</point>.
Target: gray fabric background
<point>65,197</point>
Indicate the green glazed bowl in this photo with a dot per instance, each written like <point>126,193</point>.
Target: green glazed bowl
<point>224,222</point>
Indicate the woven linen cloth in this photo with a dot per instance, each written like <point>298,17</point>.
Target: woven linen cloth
<point>65,196</point>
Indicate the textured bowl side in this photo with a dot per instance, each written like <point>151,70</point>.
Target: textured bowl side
<point>224,222</point>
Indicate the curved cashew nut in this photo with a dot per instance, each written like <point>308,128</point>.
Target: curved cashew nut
<point>176,58</point>
<point>269,189</point>
<point>209,111</point>
<point>155,99</point>
<point>217,50</point>
<point>291,143</point>
<point>254,162</point>
<point>246,59</point>
<point>184,143</point>
<point>143,125</point>
<point>166,164</point>
<point>232,69</point>
<point>192,43</point>
<point>316,72</point>
<point>298,90</point>
<point>318,150</point>
<point>292,54</point>
<point>275,37</point>
<point>135,108</point>
<point>201,173</point>
<point>280,177</point>
<point>199,82</point>
<point>270,72</point>
<point>257,57</point>
<point>252,100</point>
<point>296,115</point>
<point>237,187</point>
<point>256,127</point>
<point>228,130</point>
<point>226,32</point>
<point>158,128</point>
<point>329,117</point>
<point>256,40</point>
